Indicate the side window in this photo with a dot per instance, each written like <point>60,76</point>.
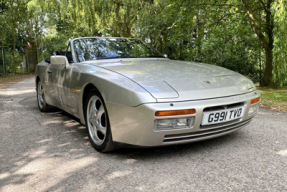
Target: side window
<point>69,54</point>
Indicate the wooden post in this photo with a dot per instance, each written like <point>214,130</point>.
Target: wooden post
<point>4,61</point>
<point>28,62</point>
<point>31,55</point>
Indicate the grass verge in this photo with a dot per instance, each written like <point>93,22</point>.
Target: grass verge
<point>275,99</point>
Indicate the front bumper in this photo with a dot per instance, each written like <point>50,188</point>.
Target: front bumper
<point>135,125</point>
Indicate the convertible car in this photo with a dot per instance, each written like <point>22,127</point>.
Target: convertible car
<point>128,94</point>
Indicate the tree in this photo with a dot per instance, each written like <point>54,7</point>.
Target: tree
<point>12,25</point>
<point>235,34</point>
<point>264,30</point>
<point>279,10</point>
<point>261,20</point>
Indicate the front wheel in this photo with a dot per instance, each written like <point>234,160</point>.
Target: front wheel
<point>42,104</point>
<point>97,123</point>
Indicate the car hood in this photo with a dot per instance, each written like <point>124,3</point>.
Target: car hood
<point>179,80</point>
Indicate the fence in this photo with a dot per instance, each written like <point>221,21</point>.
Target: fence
<point>31,60</point>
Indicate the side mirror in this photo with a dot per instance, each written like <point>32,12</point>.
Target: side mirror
<point>165,55</point>
<point>59,60</point>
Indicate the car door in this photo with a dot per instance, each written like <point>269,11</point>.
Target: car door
<point>52,88</point>
<point>65,85</point>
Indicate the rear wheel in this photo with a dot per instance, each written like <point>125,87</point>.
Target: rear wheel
<point>42,104</point>
<point>97,123</point>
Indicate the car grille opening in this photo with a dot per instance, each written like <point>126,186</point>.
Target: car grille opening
<point>218,125</point>
<point>193,136</point>
<point>217,108</point>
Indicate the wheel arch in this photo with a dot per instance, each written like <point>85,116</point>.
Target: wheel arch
<point>37,79</point>
<point>108,144</point>
<point>86,90</point>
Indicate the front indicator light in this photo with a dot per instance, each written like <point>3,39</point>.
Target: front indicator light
<point>170,124</point>
<point>255,100</point>
<point>175,112</point>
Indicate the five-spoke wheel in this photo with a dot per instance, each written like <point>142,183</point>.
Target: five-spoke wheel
<point>97,122</point>
<point>40,95</point>
<point>43,106</point>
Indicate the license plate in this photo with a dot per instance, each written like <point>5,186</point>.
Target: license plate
<point>222,116</point>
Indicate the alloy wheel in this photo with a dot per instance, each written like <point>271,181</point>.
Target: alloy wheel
<point>96,120</point>
<point>40,95</point>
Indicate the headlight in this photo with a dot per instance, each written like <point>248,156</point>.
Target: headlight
<point>178,123</point>
<point>253,109</point>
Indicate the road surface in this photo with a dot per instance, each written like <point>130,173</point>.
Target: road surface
<point>51,152</point>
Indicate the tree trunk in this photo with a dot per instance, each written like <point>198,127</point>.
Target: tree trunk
<point>14,46</point>
<point>160,46</point>
<point>200,34</point>
<point>267,78</point>
<point>267,41</point>
<point>268,73</point>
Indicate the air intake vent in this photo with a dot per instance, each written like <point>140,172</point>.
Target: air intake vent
<point>205,133</point>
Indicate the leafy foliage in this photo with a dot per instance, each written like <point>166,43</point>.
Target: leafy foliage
<point>279,9</point>
<point>242,35</point>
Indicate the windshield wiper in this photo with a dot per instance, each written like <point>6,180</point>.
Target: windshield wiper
<point>153,56</point>
<point>114,57</point>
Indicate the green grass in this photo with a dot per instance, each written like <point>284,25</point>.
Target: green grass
<point>274,98</point>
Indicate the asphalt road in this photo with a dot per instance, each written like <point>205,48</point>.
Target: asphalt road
<point>51,152</point>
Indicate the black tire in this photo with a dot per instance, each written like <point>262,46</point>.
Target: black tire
<point>42,105</point>
<point>106,144</point>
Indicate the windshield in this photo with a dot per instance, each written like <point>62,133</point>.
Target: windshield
<point>88,49</point>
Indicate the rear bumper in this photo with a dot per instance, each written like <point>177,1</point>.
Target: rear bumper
<point>135,125</point>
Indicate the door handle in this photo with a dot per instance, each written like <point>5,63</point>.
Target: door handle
<point>49,72</point>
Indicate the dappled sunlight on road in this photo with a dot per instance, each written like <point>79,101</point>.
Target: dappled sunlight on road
<point>51,152</point>
<point>40,160</point>
<point>18,92</point>
<point>116,174</point>
<point>37,145</point>
<point>282,152</point>
<point>21,88</point>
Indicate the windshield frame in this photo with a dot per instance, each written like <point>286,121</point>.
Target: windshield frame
<point>160,55</point>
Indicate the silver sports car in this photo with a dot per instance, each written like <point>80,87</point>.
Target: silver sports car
<point>127,93</point>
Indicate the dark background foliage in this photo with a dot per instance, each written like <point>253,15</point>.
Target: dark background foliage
<point>242,35</point>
